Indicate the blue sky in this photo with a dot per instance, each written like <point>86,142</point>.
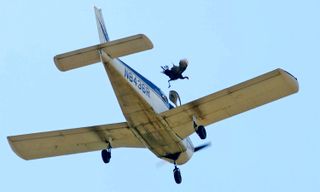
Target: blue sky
<point>271,148</point>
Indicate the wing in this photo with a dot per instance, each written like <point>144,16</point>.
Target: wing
<point>183,64</point>
<point>231,101</point>
<point>175,69</point>
<point>69,141</point>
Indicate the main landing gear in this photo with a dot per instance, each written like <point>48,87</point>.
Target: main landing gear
<point>106,155</point>
<point>177,174</point>
<point>200,130</point>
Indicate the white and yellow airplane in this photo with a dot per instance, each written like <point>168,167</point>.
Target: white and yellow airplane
<point>151,121</point>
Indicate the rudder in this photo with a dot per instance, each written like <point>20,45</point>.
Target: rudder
<point>102,30</point>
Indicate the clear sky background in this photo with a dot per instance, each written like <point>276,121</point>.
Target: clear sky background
<point>271,148</point>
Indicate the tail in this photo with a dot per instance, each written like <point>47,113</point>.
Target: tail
<point>103,34</point>
<point>90,55</point>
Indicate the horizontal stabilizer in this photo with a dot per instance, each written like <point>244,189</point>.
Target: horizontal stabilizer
<point>90,55</point>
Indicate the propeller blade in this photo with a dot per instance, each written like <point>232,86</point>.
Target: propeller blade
<point>202,147</point>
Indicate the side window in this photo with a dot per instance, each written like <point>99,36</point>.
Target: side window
<point>164,98</point>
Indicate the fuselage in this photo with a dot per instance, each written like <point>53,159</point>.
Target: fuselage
<point>142,103</point>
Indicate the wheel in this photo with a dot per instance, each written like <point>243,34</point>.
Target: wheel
<point>201,131</point>
<point>177,175</point>
<point>106,155</point>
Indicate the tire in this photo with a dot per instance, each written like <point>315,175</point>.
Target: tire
<point>201,131</point>
<point>177,175</point>
<point>106,156</point>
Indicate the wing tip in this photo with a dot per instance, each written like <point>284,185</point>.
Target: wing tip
<point>58,65</point>
<point>11,142</point>
<point>291,80</point>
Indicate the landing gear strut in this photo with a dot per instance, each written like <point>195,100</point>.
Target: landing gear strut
<point>106,155</point>
<point>177,174</point>
<point>200,130</point>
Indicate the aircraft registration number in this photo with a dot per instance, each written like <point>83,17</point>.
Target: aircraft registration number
<point>136,81</point>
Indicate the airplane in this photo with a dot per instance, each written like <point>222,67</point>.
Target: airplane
<point>152,122</point>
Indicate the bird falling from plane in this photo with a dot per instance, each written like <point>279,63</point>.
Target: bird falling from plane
<point>176,71</point>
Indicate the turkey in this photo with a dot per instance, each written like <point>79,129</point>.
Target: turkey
<point>176,71</point>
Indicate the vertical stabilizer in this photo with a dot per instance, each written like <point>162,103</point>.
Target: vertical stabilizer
<point>103,34</point>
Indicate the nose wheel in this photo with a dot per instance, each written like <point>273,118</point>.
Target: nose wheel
<point>177,174</point>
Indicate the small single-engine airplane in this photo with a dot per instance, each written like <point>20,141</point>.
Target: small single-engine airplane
<point>151,121</point>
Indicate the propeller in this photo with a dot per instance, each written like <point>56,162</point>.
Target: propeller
<point>200,147</point>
